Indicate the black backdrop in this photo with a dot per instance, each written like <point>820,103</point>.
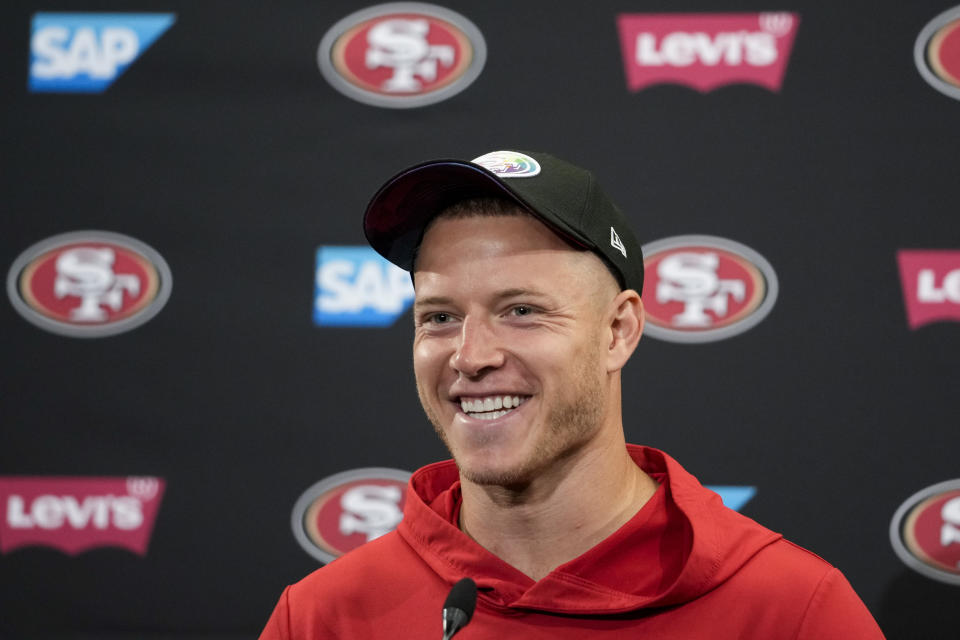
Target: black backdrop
<point>223,148</point>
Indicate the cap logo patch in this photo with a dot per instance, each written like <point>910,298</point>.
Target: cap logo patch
<point>509,164</point>
<point>617,243</point>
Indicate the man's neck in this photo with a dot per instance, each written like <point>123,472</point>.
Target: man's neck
<point>562,513</point>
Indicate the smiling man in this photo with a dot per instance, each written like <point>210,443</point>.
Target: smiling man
<point>527,308</point>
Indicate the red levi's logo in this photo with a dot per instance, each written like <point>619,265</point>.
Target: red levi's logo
<point>931,285</point>
<point>78,514</point>
<point>706,51</point>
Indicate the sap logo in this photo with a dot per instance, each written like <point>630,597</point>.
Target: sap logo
<point>355,286</point>
<point>86,52</point>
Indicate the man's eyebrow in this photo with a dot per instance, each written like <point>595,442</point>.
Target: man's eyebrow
<point>506,294</point>
<point>519,293</point>
<point>432,301</point>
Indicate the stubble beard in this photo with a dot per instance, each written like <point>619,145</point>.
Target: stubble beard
<point>569,425</point>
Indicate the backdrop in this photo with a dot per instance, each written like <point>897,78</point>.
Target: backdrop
<point>210,343</point>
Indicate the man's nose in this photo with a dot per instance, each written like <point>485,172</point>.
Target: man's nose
<point>478,349</point>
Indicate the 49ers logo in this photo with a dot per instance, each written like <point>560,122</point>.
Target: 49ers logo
<point>347,509</point>
<point>402,54</point>
<point>703,288</point>
<point>925,532</point>
<point>937,53</point>
<point>89,283</point>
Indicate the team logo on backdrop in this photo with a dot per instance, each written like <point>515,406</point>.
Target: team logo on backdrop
<point>78,514</point>
<point>401,55</point>
<point>931,285</point>
<point>356,286</point>
<point>345,510</point>
<point>509,164</point>
<point>706,50</point>
<point>937,53</point>
<point>704,288</point>
<point>86,52</point>
<point>925,532</point>
<point>89,284</point>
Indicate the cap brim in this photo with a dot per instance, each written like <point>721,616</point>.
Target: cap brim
<point>400,211</point>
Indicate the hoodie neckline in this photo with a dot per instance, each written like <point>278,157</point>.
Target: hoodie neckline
<point>678,545</point>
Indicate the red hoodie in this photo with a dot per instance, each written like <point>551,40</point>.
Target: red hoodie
<point>683,567</point>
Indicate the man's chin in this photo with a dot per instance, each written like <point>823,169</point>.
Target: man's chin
<point>494,475</point>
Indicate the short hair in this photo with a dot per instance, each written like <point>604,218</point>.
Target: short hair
<point>494,207</point>
<point>483,207</point>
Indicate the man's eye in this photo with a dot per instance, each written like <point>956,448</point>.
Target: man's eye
<point>439,318</point>
<point>522,310</point>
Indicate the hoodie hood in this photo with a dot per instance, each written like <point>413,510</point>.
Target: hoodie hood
<point>681,544</point>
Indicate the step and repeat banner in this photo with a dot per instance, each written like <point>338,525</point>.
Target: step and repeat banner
<point>207,388</point>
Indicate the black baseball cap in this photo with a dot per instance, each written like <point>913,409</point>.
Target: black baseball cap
<point>565,197</point>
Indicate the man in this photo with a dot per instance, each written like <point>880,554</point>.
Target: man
<point>527,307</point>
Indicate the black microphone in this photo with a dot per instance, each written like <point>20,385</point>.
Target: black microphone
<point>458,609</point>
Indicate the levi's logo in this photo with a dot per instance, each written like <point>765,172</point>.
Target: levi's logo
<point>78,514</point>
<point>931,285</point>
<point>706,51</point>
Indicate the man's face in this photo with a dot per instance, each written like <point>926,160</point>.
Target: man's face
<point>511,330</point>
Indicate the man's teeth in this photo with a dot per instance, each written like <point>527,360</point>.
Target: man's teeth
<point>491,407</point>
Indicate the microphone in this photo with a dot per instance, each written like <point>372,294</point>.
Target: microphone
<point>459,606</point>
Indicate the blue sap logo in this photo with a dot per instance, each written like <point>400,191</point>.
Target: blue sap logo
<point>86,52</point>
<point>355,286</point>
<point>733,496</point>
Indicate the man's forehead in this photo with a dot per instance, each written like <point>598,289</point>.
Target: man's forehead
<point>504,253</point>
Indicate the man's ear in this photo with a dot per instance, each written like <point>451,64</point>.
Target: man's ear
<point>626,326</point>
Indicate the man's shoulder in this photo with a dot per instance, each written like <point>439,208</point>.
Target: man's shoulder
<point>784,566</point>
<point>384,577</point>
<point>379,557</point>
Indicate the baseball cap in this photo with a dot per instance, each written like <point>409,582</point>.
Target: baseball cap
<point>563,196</point>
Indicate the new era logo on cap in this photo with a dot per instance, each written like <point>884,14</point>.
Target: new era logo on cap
<point>617,243</point>
<point>509,164</point>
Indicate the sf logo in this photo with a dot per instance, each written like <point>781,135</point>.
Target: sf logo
<point>371,510</point>
<point>88,274</point>
<point>691,279</point>
<point>402,46</point>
